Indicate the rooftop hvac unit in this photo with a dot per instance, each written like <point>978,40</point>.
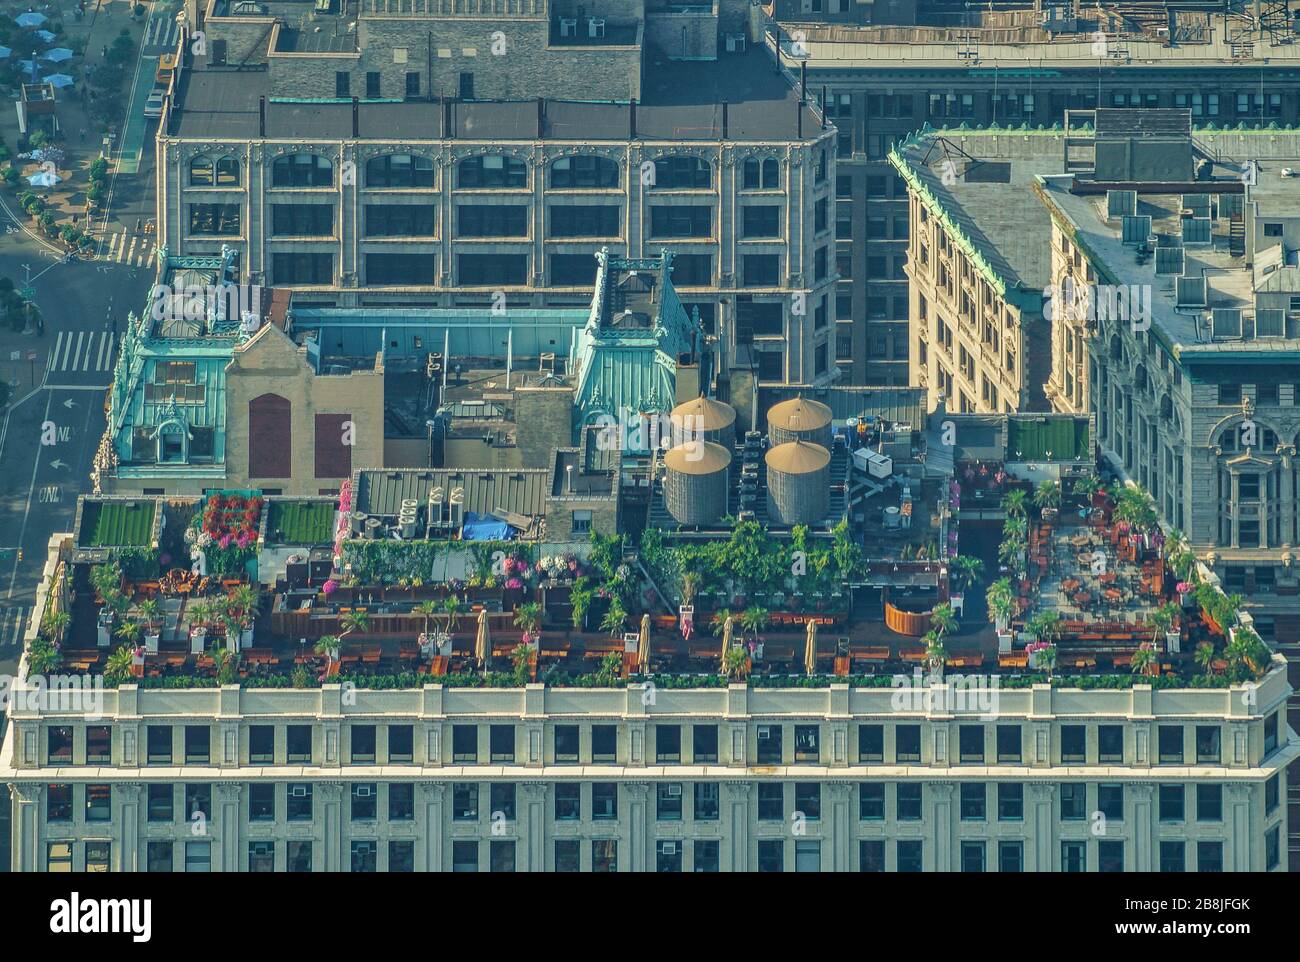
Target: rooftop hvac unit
<point>409,505</point>
<point>568,27</point>
<point>735,43</point>
<point>1196,231</point>
<point>1270,322</point>
<point>595,28</point>
<point>406,527</point>
<point>1230,204</point>
<point>1189,292</point>
<point>1136,229</point>
<point>675,790</point>
<point>361,791</point>
<point>669,848</point>
<point>547,362</point>
<point>1170,261</point>
<point>1225,322</point>
<point>1121,203</point>
<point>297,791</point>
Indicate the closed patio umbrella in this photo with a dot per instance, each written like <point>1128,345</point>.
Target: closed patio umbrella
<point>810,649</point>
<point>643,649</point>
<point>726,635</point>
<point>482,643</point>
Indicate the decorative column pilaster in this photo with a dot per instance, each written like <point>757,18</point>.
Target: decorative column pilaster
<point>331,825</point>
<point>841,794</point>
<point>941,821</point>
<point>129,819</point>
<point>1143,821</point>
<point>26,799</point>
<point>1240,836</point>
<point>637,841</point>
<point>534,827</point>
<point>1041,795</point>
<point>228,821</point>
<point>736,829</point>
<point>433,794</point>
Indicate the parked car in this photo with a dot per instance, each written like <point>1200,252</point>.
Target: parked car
<point>153,107</point>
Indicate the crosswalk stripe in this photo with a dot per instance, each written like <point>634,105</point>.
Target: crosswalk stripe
<point>67,349</point>
<point>103,343</point>
<point>90,349</point>
<point>58,343</point>
<point>13,623</point>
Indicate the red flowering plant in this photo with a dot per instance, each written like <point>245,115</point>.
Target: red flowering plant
<point>228,528</point>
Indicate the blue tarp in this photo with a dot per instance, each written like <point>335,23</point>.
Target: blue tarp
<point>484,527</point>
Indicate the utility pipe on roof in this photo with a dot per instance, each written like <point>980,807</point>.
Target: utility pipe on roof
<point>510,354</point>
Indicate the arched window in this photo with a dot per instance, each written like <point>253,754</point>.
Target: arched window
<point>302,170</point>
<point>585,171</point>
<point>752,178</point>
<point>399,170</point>
<point>762,174</point>
<point>172,438</point>
<point>201,172</point>
<point>228,172</point>
<point>493,170</point>
<point>771,174</point>
<point>683,172</point>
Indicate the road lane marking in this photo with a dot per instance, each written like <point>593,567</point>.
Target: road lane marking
<point>58,343</point>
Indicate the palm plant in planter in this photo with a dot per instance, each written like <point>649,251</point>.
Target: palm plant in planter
<point>241,608</point>
<point>1002,606</point>
<point>1162,621</point>
<point>936,654</point>
<point>528,618</point>
<point>226,663</point>
<point>54,625</point>
<point>1015,527</point>
<point>129,631</point>
<point>1205,658</point>
<point>942,619</point>
<point>120,662</point>
<point>580,598</point>
<point>1145,661</point>
<point>719,620</point>
<point>735,662</point>
<point>151,611</point>
<point>753,620</point>
<point>328,647</point>
<point>1043,626</point>
<point>1013,503</point>
<point>354,622</point>
<point>962,572</point>
<point>426,609</point>
<point>200,614</point>
<point>1247,655</point>
<point>1047,498</point>
<point>615,619</point>
<point>1087,488</point>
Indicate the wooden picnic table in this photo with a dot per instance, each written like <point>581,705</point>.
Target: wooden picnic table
<point>1012,660</point>
<point>870,653</point>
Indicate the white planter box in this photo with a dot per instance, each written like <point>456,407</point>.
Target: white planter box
<point>246,637</point>
<point>232,643</point>
<point>137,657</point>
<point>104,632</point>
<point>151,643</point>
<point>198,641</point>
<point>1173,641</point>
<point>1004,642</point>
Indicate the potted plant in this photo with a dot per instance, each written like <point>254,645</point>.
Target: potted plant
<point>241,607</point>
<point>1002,605</point>
<point>936,654</point>
<point>200,613</point>
<point>962,572</point>
<point>1162,624</point>
<point>1042,656</point>
<point>1145,660</point>
<point>426,609</point>
<point>523,658</point>
<point>1013,503</point>
<point>1043,626</point>
<point>43,656</point>
<point>120,664</point>
<point>736,662</point>
<point>329,646</point>
<point>54,625</point>
<point>151,612</point>
<point>1086,489</point>
<point>1047,497</point>
<point>1206,657</point>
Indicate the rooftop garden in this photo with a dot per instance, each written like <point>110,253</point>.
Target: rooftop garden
<point>113,524</point>
<point>300,522</point>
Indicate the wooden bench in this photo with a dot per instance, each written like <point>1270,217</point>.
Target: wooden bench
<point>869,653</point>
<point>1011,659</point>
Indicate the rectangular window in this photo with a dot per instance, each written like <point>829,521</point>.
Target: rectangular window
<point>871,801</point>
<point>58,745</point>
<point>261,856</point>
<point>1173,856</point>
<point>604,855</point>
<point>871,743</point>
<point>363,744</point>
<point>159,742</point>
<point>668,801</point>
<point>573,270</point>
<point>568,801</point>
<point>298,806</point>
<point>908,855</point>
<point>99,745</point>
<point>297,856</point>
<point>907,801</point>
<point>762,270</point>
<point>871,855</point>
<point>808,800</point>
<point>1110,744</point>
<point>99,803</point>
<point>1074,857</point>
<point>1209,803</point>
<point>771,855</point>
<point>907,743</point>
<point>692,270</point>
<point>1073,739</point>
<point>1171,744</point>
<point>397,220</point>
<point>214,220</point>
<point>482,270</point>
<point>401,801</point>
<point>464,802</point>
<point>1011,801</point>
<point>365,797</point>
<point>302,268</point>
<point>597,220</point>
<point>198,856</point>
<point>1011,855</point>
<point>159,857</point>
<point>771,801</point>
<point>1110,856</point>
<point>568,855</point>
<point>807,744</point>
<point>1008,744</point>
<point>707,855</point>
<point>762,221</point>
<point>974,800</point>
<point>604,741</point>
<point>1110,801</point>
<point>501,743</point>
<point>372,84</point>
<point>464,856</point>
<point>491,220</point>
<point>342,84</point>
<point>501,796</point>
<point>261,802</point>
<point>1172,803</point>
<point>1207,744</point>
<point>160,802</point>
<point>972,855</point>
<point>769,745</point>
<point>501,855</point>
<point>566,744</point>
<point>464,743</point>
<point>705,744</point>
<point>970,740</point>
<point>302,220</point>
<point>1073,801</point>
<point>401,744</point>
<point>668,743</point>
<point>604,801</point>
<point>707,805</point>
<point>401,856</point>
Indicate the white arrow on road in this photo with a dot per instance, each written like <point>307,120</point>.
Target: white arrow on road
<point>56,463</point>
<point>68,404</point>
<point>103,269</point>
